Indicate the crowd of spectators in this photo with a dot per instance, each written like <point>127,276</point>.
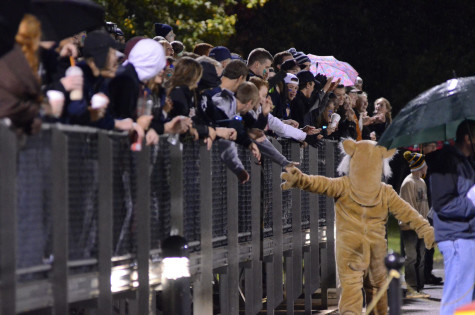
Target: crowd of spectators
<point>150,87</point>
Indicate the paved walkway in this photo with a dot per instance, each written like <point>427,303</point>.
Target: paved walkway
<point>430,306</point>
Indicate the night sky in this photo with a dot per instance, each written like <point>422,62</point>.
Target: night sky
<point>400,48</point>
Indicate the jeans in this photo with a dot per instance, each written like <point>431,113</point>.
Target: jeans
<point>414,263</point>
<point>459,268</point>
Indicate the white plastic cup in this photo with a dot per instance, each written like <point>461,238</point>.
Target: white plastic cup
<point>75,95</point>
<point>334,120</point>
<point>99,101</point>
<point>56,101</point>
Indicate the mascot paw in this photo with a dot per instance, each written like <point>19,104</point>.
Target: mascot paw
<point>429,240</point>
<point>290,177</point>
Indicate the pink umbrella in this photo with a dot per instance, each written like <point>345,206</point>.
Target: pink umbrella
<point>332,67</point>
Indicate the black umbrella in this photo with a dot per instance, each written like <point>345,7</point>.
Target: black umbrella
<point>64,18</point>
<point>433,115</point>
<point>11,13</point>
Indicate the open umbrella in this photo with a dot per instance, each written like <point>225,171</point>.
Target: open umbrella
<point>11,13</point>
<point>433,115</point>
<point>332,67</point>
<point>64,18</point>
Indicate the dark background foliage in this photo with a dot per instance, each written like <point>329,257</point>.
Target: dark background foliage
<point>400,48</point>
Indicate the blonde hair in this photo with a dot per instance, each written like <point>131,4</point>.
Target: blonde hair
<point>258,82</point>
<point>28,37</point>
<point>388,108</point>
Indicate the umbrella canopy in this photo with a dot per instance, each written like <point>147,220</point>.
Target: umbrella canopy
<point>332,67</point>
<point>433,115</point>
<point>11,13</point>
<point>64,18</point>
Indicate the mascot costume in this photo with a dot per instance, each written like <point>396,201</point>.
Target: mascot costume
<point>361,210</point>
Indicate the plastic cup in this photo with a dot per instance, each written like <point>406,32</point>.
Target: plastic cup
<point>99,101</point>
<point>56,101</point>
<point>334,120</point>
<point>75,95</point>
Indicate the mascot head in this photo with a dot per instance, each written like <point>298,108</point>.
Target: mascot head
<point>365,163</point>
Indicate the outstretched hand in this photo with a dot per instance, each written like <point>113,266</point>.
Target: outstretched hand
<point>290,177</point>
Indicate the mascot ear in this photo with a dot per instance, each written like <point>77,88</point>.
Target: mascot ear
<point>349,145</point>
<point>387,153</point>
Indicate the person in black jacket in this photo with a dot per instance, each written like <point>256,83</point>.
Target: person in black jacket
<point>452,185</point>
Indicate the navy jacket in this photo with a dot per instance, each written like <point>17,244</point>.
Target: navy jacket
<point>452,176</point>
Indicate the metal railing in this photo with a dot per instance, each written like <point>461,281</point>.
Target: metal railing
<point>82,218</point>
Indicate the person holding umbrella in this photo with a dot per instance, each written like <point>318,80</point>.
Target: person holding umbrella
<point>452,185</point>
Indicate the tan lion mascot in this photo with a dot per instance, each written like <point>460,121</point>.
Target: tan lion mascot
<point>361,209</point>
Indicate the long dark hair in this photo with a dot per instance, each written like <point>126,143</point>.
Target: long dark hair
<point>187,72</point>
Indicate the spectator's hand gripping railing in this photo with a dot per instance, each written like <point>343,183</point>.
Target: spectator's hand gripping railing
<point>91,176</point>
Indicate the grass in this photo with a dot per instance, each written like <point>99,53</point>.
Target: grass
<point>394,239</point>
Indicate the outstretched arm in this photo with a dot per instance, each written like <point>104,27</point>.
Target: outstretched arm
<point>407,214</point>
<point>332,187</point>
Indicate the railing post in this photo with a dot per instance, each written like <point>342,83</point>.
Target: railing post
<point>60,220</point>
<point>275,294</point>
<point>232,273</point>
<point>312,258</point>
<point>203,287</point>
<point>176,189</point>
<point>328,253</point>
<point>105,218</point>
<point>330,203</point>
<point>8,221</point>
<point>253,276</point>
<point>296,230</point>
<point>142,210</point>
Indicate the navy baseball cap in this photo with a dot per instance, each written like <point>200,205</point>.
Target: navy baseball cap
<point>220,53</point>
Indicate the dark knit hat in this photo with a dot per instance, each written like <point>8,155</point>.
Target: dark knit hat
<point>162,29</point>
<point>416,160</point>
<point>220,53</point>
<point>299,56</point>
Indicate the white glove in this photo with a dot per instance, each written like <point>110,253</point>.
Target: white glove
<point>471,194</point>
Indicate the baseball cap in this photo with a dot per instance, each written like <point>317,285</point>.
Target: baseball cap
<point>97,44</point>
<point>220,53</point>
<point>291,79</point>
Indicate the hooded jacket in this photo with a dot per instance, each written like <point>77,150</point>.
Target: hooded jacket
<point>20,91</point>
<point>452,176</point>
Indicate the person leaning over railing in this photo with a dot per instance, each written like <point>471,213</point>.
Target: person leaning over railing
<point>182,92</point>
<point>307,134</point>
<point>145,60</point>
<point>92,106</point>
